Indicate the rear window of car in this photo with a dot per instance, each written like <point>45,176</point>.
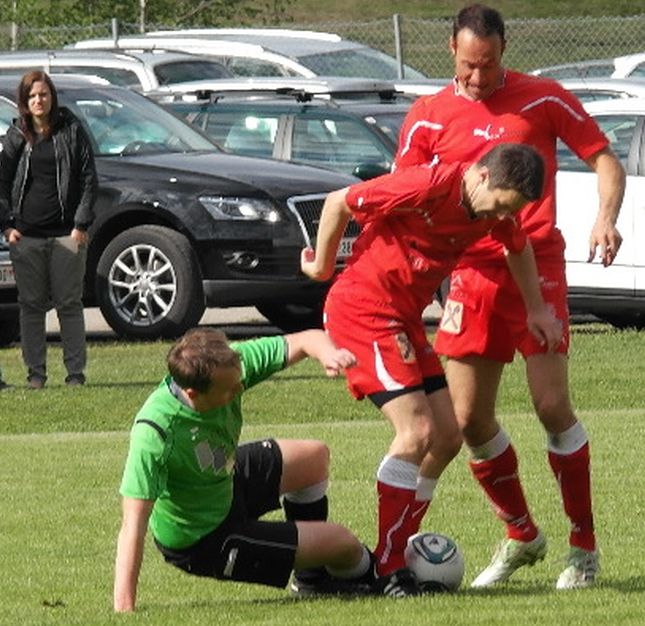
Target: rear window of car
<point>184,71</point>
<point>620,132</point>
<point>114,75</point>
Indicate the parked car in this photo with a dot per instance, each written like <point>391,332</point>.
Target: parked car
<point>9,322</point>
<point>278,52</point>
<point>626,66</point>
<point>590,89</point>
<point>181,226</point>
<point>142,70</point>
<point>348,125</point>
<point>615,294</point>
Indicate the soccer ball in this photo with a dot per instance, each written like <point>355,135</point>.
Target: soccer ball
<point>436,561</point>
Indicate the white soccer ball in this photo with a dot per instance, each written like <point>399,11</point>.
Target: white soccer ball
<point>436,561</point>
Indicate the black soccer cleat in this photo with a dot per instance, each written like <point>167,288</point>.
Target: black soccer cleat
<point>399,584</point>
<point>319,582</point>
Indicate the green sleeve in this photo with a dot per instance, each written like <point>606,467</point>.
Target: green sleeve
<point>144,476</point>
<point>260,358</point>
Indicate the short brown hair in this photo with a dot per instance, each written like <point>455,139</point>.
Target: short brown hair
<point>515,166</point>
<point>193,358</point>
<point>484,21</point>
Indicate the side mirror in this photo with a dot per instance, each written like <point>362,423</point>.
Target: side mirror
<point>365,171</point>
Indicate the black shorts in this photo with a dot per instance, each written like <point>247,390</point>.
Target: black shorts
<point>242,547</point>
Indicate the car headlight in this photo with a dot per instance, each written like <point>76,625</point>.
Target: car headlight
<point>228,208</point>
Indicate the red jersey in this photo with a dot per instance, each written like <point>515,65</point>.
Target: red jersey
<point>449,127</point>
<point>414,229</point>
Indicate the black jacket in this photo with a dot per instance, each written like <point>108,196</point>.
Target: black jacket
<point>75,172</point>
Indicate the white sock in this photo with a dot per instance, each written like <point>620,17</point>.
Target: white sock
<point>313,493</point>
<point>492,448</point>
<point>353,572</point>
<point>425,488</point>
<point>569,441</point>
<point>398,473</point>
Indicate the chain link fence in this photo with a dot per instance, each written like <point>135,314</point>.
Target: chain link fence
<point>532,42</point>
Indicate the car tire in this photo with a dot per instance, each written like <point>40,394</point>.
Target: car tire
<point>9,327</point>
<point>148,284</point>
<point>292,317</point>
<point>636,321</point>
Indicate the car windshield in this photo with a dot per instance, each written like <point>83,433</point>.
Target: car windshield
<point>124,123</point>
<point>357,62</point>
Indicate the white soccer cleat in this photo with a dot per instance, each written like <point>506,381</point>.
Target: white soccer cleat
<point>581,570</point>
<point>510,556</point>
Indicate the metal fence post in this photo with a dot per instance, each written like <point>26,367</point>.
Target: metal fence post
<point>115,32</point>
<point>398,44</point>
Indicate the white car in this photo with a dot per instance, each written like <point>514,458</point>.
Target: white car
<point>617,293</point>
<point>278,52</point>
<point>590,89</point>
<point>140,70</point>
<point>626,66</point>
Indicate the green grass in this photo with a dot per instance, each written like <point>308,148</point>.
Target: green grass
<point>62,451</point>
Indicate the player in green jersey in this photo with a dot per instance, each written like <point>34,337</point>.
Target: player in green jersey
<point>202,494</point>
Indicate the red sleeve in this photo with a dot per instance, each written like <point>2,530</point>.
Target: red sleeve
<point>409,188</point>
<point>572,123</point>
<point>418,132</point>
<point>510,235</point>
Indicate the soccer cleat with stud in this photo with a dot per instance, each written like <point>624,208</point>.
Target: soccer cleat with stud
<point>581,570</point>
<point>509,557</point>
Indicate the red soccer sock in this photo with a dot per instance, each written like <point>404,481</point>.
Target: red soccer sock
<point>573,475</point>
<point>500,480</point>
<point>399,517</point>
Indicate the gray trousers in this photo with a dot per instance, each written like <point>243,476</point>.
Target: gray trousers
<point>49,274</point>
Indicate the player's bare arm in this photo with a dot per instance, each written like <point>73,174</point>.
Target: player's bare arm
<point>129,552</point>
<point>321,263</point>
<point>540,321</point>
<point>316,343</point>
<point>611,188</point>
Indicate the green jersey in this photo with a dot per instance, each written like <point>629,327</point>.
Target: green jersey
<point>184,460</point>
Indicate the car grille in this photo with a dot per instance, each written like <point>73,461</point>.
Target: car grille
<point>307,209</point>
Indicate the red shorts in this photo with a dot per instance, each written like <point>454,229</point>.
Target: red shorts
<point>484,314</point>
<point>392,353</point>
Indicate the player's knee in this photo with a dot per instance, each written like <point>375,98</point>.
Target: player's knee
<point>320,457</point>
<point>553,408</point>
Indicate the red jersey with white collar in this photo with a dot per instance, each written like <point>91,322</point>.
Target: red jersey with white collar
<point>449,127</point>
<point>414,229</point>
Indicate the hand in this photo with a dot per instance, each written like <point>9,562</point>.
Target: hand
<point>338,360</point>
<point>308,265</point>
<point>12,235</point>
<point>79,236</point>
<point>608,238</point>
<point>545,327</point>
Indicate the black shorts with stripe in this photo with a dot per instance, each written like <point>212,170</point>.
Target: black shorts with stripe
<point>243,547</point>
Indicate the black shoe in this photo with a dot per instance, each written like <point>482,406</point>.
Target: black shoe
<point>75,380</point>
<point>35,382</point>
<point>4,385</point>
<point>399,584</point>
<point>318,582</point>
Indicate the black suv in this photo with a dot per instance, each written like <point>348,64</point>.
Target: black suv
<point>181,225</point>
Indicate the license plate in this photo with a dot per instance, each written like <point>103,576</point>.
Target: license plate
<point>345,247</point>
<point>7,277</point>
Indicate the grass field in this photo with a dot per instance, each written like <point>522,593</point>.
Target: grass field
<point>62,451</point>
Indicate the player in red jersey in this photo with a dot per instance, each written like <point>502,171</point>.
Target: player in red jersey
<point>484,322</point>
<point>415,224</point>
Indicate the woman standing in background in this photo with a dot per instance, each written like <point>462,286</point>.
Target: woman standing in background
<point>48,187</point>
